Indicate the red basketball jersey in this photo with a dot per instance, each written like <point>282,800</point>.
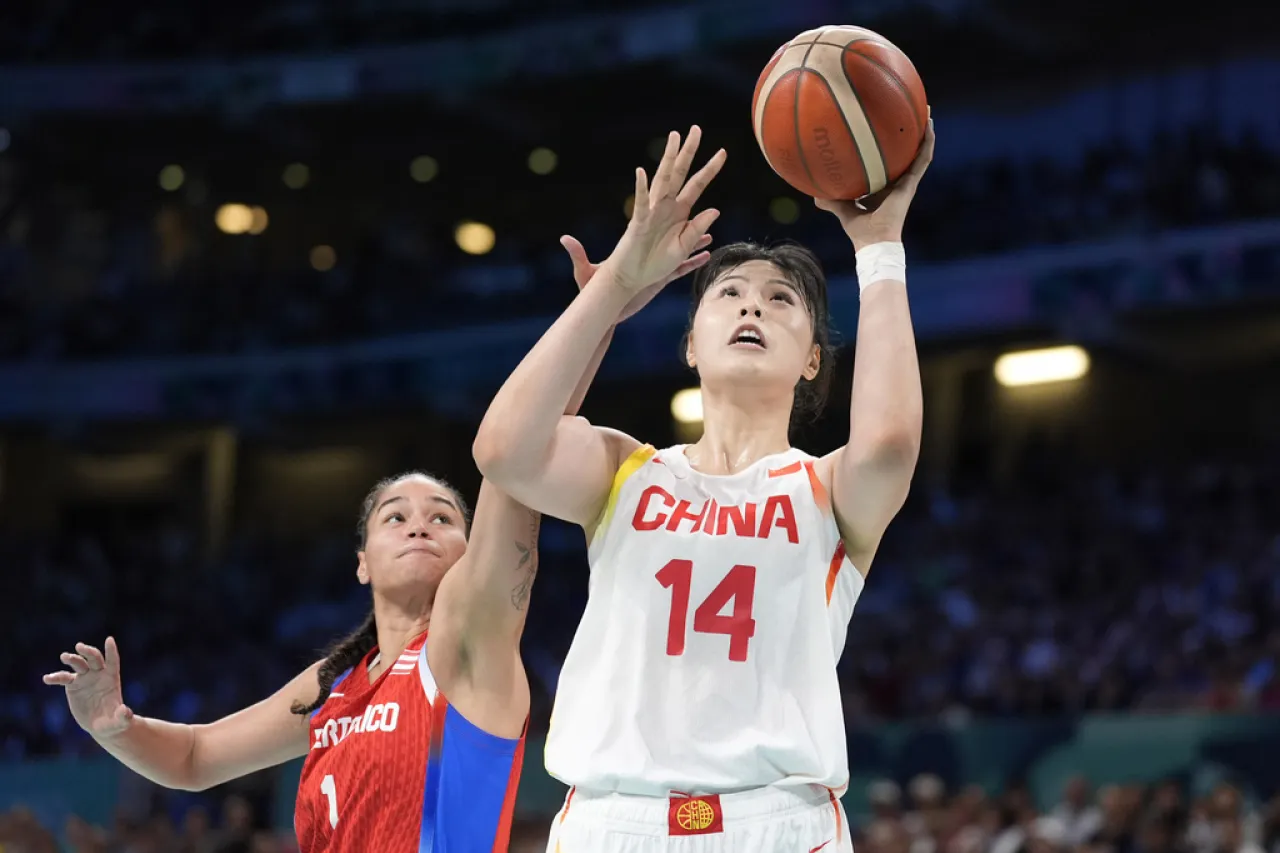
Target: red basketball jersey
<point>394,768</point>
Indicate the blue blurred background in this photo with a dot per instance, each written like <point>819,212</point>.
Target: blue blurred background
<point>254,256</point>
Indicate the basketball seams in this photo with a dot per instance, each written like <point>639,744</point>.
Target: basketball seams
<point>797,73</point>
<point>897,81</point>
<point>858,123</point>
<point>883,176</point>
<point>804,161</point>
<point>852,135</point>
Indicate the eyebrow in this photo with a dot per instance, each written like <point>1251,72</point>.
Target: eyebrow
<point>737,277</point>
<point>436,498</point>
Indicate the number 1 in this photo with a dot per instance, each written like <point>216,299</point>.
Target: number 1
<point>329,788</point>
<point>739,586</point>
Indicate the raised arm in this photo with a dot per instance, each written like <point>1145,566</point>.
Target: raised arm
<point>871,475</point>
<point>526,446</point>
<point>177,755</point>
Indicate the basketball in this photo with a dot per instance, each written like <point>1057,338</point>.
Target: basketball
<point>839,112</point>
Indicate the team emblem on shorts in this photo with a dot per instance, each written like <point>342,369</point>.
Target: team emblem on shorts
<point>695,815</point>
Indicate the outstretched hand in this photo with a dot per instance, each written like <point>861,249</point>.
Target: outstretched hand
<point>584,269</point>
<point>884,223</point>
<point>93,689</point>
<point>661,237</point>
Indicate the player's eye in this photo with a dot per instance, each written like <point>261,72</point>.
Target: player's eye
<point>728,290</point>
<point>395,516</point>
<point>785,296</point>
<point>442,518</point>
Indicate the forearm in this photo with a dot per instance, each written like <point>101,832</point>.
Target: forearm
<point>521,421</point>
<point>593,367</point>
<point>158,751</point>
<point>887,407</point>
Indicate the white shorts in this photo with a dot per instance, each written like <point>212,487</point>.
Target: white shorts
<point>805,819</point>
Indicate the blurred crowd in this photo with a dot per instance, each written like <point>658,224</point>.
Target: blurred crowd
<point>1161,818</point>
<point>1065,592</point>
<point>93,274</point>
<point>1072,591</point>
<point>152,29</point>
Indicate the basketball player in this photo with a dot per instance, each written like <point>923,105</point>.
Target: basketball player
<point>392,765</point>
<point>699,697</point>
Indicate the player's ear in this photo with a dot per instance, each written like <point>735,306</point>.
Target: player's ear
<point>362,568</point>
<point>815,363</point>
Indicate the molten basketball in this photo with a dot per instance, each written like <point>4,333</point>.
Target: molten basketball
<point>839,112</point>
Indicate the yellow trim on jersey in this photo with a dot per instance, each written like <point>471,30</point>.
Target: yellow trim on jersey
<point>629,466</point>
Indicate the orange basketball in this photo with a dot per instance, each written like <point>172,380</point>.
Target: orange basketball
<point>839,112</point>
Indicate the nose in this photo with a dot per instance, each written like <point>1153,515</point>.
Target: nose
<point>753,310</point>
<point>418,530</point>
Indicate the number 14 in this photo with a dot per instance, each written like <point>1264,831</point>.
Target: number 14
<point>739,586</point>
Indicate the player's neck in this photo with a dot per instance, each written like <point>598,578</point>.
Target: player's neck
<point>737,433</point>
<point>397,628</point>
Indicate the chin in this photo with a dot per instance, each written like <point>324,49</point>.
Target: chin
<point>754,373</point>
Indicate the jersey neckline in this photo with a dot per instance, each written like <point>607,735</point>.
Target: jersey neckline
<point>361,672</point>
<point>676,454</point>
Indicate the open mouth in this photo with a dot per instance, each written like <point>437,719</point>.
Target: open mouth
<point>748,336</point>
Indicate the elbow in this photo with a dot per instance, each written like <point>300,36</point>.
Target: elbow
<point>495,455</point>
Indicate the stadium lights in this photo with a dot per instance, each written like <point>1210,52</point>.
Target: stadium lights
<point>296,176</point>
<point>1038,366</point>
<point>172,178</point>
<point>234,219</point>
<point>258,220</point>
<point>323,258</point>
<point>474,238</point>
<point>423,169</point>
<point>784,210</point>
<point>686,406</point>
<point>542,161</point>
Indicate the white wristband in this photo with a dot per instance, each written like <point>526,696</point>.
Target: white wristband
<point>881,262</point>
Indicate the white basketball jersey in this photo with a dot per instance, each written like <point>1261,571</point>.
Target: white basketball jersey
<point>706,659</point>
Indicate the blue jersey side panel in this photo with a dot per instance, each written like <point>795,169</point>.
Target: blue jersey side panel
<point>471,777</point>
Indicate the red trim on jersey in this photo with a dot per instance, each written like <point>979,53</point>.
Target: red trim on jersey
<point>835,804</point>
<point>503,836</point>
<point>564,813</point>
<point>819,490</point>
<point>793,468</point>
<point>837,560</point>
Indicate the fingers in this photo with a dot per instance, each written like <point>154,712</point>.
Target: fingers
<point>697,228</point>
<point>583,269</point>
<point>684,159</point>
<point>640,206</point>
<point>925,156</point>
<point>703,242</point>
<point>662,177</point>
<point>690,264</point>
<point>91,656</point>
<point>77,663</point>
<point>113,655</point>
<point>698,184</point>
<point>59,679</point>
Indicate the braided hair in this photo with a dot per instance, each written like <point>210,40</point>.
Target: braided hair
<point>350,650</point>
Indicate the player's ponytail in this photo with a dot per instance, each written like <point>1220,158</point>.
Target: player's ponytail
<point>342,657</point>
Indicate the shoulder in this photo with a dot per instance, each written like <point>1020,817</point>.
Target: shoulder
<point>619,444</point>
